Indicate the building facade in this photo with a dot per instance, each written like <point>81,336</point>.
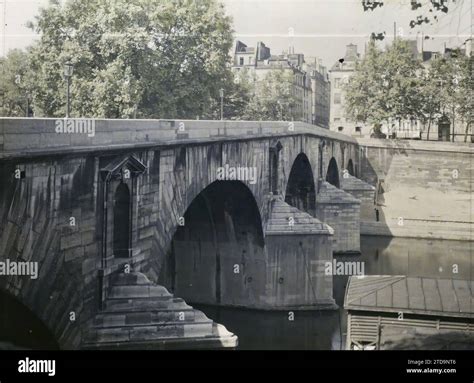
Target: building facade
<point>321,89</point>
<point>259,61</point>
<point>339,75</point>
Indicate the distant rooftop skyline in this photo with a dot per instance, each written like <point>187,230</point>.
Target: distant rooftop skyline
<point>317,28</point>
<point>323,28</point>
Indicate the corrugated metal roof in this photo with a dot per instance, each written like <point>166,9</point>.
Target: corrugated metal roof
<point>417,295</point>
<point>286,219</point>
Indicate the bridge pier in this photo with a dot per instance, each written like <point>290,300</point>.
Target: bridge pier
<point>364,192</point>
<point>298,248</point>
<point>342,211</point>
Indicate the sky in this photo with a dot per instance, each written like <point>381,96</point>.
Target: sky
<point>320,28</point>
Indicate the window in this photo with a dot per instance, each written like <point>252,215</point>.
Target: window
<point>337,98</point>
<point>241,61</point>
<point>337,83</point>
<point>340,128</point>
<point>358,129</point>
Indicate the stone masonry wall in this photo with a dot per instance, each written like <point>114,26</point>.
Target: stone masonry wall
<point>426,187</point>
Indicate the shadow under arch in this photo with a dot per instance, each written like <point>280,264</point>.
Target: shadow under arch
<point>21,328</point>
<point>350,167</point>
<point>217,256</point>
<point>300,189</point>
<point>332,175</point>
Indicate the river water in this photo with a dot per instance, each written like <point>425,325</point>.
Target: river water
<point>318,330</point>
<point>325,330</point>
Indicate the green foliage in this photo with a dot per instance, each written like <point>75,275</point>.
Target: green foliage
<point>132,58</point>
<point>384,85</point>
<point>393,84</point>
<point>272,98</point>
<point>240,93</point>
<point>14,90</point>
<point>141,59</point>
<point>446,89</point>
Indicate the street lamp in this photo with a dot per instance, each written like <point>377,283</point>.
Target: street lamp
<point>68,70</point>
<point>221,91</point>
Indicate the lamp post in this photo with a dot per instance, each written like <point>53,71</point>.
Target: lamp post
<point>68,70</point>
<point>221,91</point>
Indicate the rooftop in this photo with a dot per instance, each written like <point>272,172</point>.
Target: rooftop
<point>412,295</point>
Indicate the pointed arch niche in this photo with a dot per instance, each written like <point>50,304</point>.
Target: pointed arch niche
<point>119,215</point>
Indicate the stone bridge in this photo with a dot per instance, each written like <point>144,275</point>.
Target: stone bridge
<point>130,220</point>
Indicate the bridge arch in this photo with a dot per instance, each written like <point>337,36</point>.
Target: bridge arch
<point>217,252</point>
<point>20,327</point>
<point>332,175</point>
<point>300,189</point>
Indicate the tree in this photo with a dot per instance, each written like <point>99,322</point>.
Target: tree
<point>468,83</point>
<point>14,88</point>
<point>448,83</point>
<point>393,84</point>
<point>431,95</point>
<point>239,94</point>
<point>463,85</point>
<point>362,101</point>
<point>272,98</point>
<point>385,85</point>
<point>132,58</point>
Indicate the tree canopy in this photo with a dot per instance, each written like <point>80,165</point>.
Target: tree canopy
<point>132,58</point>
<point>393,84</point>
<point>271,97</point>
<point>14,90</point>
<point>384,85</point>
